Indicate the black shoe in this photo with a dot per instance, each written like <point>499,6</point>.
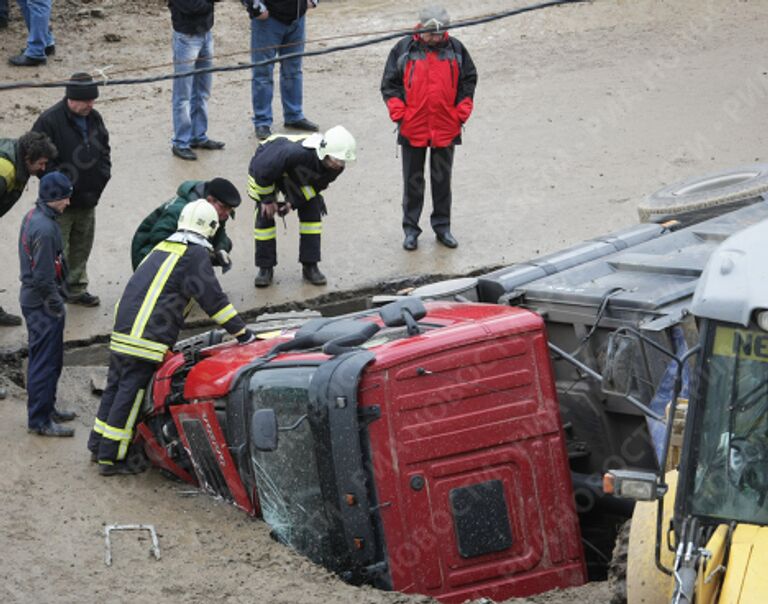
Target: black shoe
<point>311,273</point>
<point>184,153</point>
<point>84,299</point>
<point>411,242</point>
<point>25,61</point>
<point>447,239</point>
<point>209,144</point>
<point>50,50</point>
<point>303,124</point>
<point>52,429</point>
<point>9,320</point>
<point>60,416</point>
<point>119,468</point>
<point>3,23</point>
<point>263,132</point>
<point>264,277</point>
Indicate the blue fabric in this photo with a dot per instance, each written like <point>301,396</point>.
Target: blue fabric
<point>37,16</point>
<point>663,394</point>
<point>191,94</point>
<point>265,35</point>
<point>46,358</point>
<point>82,125</point>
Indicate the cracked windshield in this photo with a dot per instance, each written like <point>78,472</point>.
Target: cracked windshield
<point>734,432</point>
<point>287,478</point>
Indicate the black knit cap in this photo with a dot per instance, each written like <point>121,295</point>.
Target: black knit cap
<point>224,191</point>
<point>82,92</point>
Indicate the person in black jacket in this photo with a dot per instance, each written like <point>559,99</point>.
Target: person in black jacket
<point>278,27</point>
<point>43,273</point>
<point>148,319</point>
<point>299,168</point>
<point>192,49</point>
<point>79,133</point>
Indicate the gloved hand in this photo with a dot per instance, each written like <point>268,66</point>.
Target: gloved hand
<point>246,336</point>
<point>284,208</point>
<point>223,260</point>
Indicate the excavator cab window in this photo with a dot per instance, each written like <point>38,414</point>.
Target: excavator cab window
<point>730,442</point>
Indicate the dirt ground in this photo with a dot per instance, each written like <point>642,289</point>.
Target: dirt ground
<point>580,112</point>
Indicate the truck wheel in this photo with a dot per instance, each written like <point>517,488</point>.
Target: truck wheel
<point>699,198</point>
<point>617,568</point>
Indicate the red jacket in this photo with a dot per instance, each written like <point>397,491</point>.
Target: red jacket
<point>429,90</point>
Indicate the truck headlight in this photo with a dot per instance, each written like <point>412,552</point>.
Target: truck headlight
<point>630,484</point>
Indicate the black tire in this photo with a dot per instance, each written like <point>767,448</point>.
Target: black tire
<point>699,198</point>
<point>617,568</point>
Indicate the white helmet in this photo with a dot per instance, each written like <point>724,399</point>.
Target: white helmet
<point>199,217</point>
<point>339,144</point>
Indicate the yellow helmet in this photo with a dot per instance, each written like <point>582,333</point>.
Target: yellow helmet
<point>199,217</point>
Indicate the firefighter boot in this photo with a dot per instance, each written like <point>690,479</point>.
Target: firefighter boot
<point>312,274</point>
<point>264,276</point>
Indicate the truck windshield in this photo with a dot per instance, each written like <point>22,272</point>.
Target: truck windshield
<point>287,478</point>
<point>731,477</point>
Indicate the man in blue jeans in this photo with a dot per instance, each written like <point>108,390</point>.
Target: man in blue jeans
<point>192,49</point>
<point>40,42</point>
<point>278,23</point>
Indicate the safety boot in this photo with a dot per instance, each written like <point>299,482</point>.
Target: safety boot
<point>312,274</point>
<point>264,276</point>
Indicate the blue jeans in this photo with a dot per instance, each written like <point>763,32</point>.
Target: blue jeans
<point>270,33</point>
<point>191,94</point>
<point>45,333</point>
<point>37,16</point>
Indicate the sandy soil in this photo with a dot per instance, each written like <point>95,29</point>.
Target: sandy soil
<point>581,111</point>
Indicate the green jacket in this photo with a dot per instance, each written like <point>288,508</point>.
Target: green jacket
<point>13,174</point>
<point>163,221</point>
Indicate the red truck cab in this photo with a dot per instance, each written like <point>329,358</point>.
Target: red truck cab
<point>417,448</point>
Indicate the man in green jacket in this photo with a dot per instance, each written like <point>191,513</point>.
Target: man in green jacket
<point>20,159</point>
<point>163,222</point>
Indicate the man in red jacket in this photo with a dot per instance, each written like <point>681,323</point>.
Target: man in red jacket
<point>428,85</point>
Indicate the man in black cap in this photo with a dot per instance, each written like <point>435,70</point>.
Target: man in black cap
<point>163,221</point>
<point>79,134</point>
<point>43,275</point>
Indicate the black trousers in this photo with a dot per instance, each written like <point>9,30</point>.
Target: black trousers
<point>440,169</point>
<point>310,231</point>
<point>120,405</point>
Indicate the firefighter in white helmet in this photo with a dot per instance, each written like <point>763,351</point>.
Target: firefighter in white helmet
<point>299,168</point>
<point>148,319</point>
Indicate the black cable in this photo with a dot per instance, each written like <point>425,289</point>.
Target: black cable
<point>309,53</point>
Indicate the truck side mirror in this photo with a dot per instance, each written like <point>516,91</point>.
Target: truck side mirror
<point>619,364</point>
<point>264,430</point>
<point>406,311</point>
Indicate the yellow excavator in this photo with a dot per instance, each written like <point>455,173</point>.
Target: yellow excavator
<point>699,532</point>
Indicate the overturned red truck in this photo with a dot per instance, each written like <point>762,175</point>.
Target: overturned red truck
<point>448,448</point>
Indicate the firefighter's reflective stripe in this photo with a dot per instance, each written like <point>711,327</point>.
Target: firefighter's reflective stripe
<point>308,191</point>
<point>255,190</point>
<point>296,138</point>
<point>265,234</point>
<point>137,347</point>
<point>116,434</point>
<point>225,314</point>
<point>98,426</point>
<point>310,228</point>
<point>129,424</point>
<point>136,351</point>
<point>176,250</point>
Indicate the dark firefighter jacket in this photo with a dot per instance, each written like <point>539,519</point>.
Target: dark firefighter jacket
<point>429,91</point>
<point>285,11</point>
<point>193,17</point>
<point>13,174</point>
<point>43,270</point>
<point>151,311</point>
<point>86,161</point>
<point>283,164</point>
<point>163,221</point>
